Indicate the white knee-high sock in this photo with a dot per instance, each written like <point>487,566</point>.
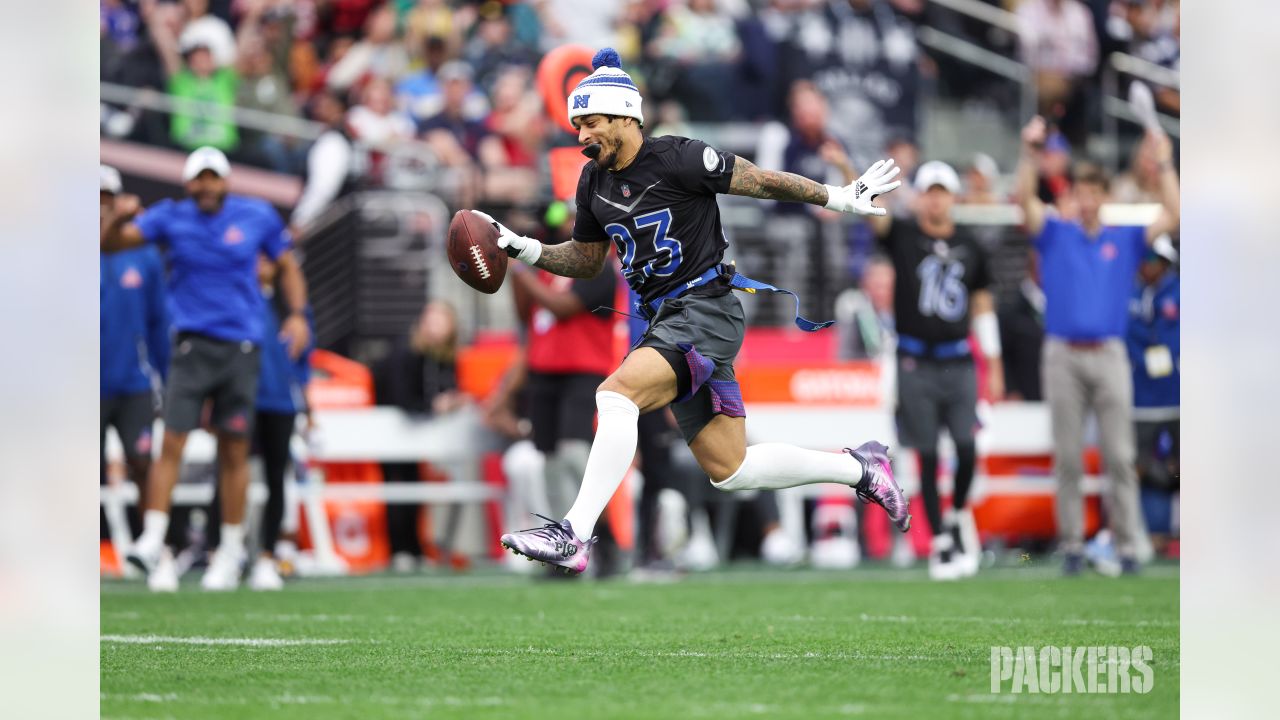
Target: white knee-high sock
<point>155,523</point>
<point>611,454</point>
<point>771,466</point>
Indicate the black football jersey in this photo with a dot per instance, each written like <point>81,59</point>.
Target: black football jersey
<point>660,212</point>
<point>935,277</point>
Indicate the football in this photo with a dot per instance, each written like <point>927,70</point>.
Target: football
<point>473,252</point>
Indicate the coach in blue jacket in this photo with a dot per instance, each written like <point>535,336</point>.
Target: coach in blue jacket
<point>212,241</point>
<point>134,349</point>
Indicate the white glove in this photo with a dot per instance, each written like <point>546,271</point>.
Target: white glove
<point>856,198</point>
<point>524,249</point>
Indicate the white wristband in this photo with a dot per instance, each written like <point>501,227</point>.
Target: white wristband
<point>832,191</point>
<point>987,330</point>
<point>531,252</point>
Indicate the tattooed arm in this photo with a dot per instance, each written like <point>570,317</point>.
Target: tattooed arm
<point>751,181</point>
<point>574,259</point>
<point>856,198</point>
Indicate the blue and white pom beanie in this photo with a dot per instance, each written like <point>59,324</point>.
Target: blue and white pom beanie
<point>607,91</point>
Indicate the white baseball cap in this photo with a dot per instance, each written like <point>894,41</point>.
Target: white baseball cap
<point>109,180</point>
<point>936,172</point>
<point>206,158</point>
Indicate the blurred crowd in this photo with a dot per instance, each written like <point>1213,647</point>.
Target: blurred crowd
<point>458,75</point>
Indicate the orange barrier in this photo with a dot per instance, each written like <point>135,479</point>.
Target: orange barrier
<point>358,527</point>
<point>481,364</point>
<point>108,560</point>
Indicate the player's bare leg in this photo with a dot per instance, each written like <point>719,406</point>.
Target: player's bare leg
<point>145,553</point>
<point>721,449</point>
<point>645,381</point>
<point>233,475</point>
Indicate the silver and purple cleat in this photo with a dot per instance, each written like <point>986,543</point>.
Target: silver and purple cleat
<point>554,543</point>
<point>878,486</point>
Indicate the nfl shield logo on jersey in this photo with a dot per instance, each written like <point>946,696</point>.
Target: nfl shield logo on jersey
<point>626,190</point>
<point>233,235</point>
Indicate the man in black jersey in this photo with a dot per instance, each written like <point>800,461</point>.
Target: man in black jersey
<point>941,293</point>
<point>654,199</point>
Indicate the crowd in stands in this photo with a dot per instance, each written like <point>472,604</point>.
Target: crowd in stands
<point>457,74</point>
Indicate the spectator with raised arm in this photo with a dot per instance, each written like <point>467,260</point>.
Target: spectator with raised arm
<point>1087,269</point>
<point>204,90</point>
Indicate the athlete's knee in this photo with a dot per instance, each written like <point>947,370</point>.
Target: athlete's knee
<point>967,450</point>
<point>722,467</point>
<point>173,444</point>
<point>618,386</point>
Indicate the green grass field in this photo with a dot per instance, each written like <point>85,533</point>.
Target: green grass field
<point>744,642</point>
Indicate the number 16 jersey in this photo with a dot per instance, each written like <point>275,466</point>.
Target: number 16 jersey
<point>934,280</point>
<point>660,212</point>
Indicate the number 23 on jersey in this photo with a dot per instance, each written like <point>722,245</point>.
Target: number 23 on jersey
<point>668,250</point>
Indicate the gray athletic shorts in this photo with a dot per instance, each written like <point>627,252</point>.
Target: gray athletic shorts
<point>934,393</point>
<point>201,368</point>
<point>131,416</point>
<point>706,333</point>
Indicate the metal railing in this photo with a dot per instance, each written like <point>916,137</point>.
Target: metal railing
<point>977,10</point>
<point>259,120</point>
<point>1115,108</point>
<point>981,57</point>
<point>413,154</point>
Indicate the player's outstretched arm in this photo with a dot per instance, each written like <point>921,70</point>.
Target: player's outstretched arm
<point>751,181</point>
<point>571,259</point>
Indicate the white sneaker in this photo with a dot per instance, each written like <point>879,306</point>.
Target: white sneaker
<point>779,549</point>
<point>700,554</point>
<point>164,574</point>
<point>835,553</point>
<point>938,569</point>
<point>144,557</point>
<point>223,572</point>
<point>264,575</point>
<point>403,562</point>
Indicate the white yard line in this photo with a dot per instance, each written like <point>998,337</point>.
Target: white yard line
<point>1007,620</point>
<point>240,642</point>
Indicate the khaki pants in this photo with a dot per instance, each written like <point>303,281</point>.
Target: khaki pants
<point>1077,380</point>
